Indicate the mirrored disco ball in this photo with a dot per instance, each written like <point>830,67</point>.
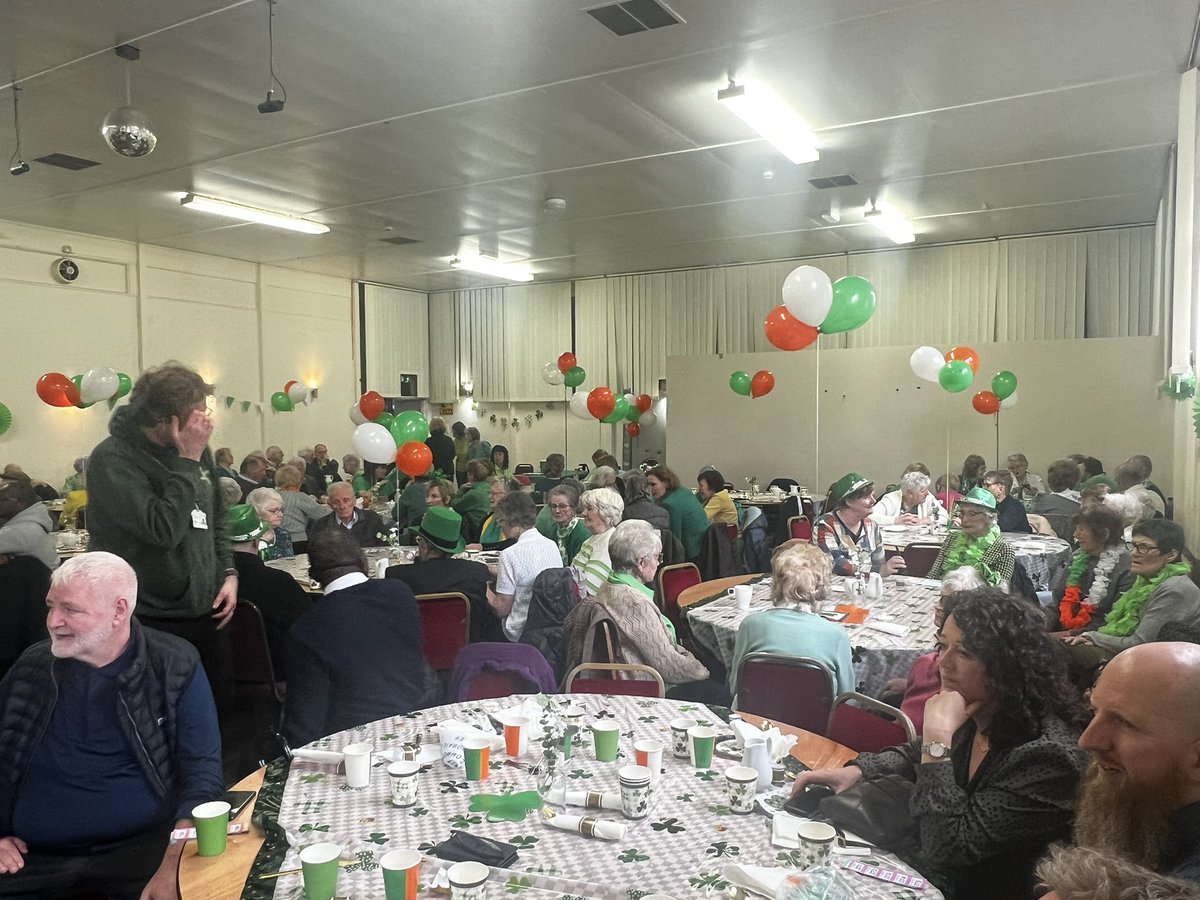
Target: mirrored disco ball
<point>129,132</point>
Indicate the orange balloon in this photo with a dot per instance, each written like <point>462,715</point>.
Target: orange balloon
<point>601,402</point>
<point>287,387</point>
<point>762,383</point>
<point>566,362</point>
<point>787,332</point>
<point>57,389</point>
<point>371,404</point>
<point>643,403</point>
<point>633,429</point>
<point>967,355</point>
<point>986,402</point>
<point>414,459</point>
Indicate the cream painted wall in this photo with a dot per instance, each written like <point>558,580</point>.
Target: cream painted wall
<point>1096,396</point>
<point>246,327</point>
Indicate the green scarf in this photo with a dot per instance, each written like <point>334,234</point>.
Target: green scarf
<point>965,550</point>
<point>646,591</point>
<point>1127,611</point>
<point>561,533</point>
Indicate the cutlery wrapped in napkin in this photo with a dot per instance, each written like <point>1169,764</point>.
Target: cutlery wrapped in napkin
<point>779,745</point>
<point>764,880</point>
<point>586,799</point>
<point>588,826</point>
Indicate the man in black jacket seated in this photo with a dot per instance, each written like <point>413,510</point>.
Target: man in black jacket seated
<point>276,594</point>
<point>363,524</point>
<point>1010,514</point>
<point>108,736</point>
<point>1141,795</point>
<point>357,656</point>
<point>439,538</point>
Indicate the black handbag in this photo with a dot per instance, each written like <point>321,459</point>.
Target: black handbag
<point>464,847</point>
<point>877,811</point>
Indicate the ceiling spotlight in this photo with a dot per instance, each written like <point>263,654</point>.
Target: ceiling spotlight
<point>16,165</point>
<point>486,265</point>
<point>890,223</point>
<point>763,110</point>
<point>271,105</point>
<point>128,131</point>
<point>252,214</point>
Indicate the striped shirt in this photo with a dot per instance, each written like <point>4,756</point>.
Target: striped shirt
<point>591,565</point>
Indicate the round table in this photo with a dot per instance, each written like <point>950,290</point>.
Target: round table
<point>1040,555</point>
<point>680,848</point>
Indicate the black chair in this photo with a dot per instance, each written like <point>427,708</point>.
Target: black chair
<point>24,583</point>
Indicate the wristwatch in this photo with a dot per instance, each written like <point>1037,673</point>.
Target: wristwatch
<point>936,750</point>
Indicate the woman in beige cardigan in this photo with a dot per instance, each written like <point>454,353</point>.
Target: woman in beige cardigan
<point>643,634</point>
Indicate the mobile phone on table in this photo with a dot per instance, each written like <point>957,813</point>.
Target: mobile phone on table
<point>237,800</point>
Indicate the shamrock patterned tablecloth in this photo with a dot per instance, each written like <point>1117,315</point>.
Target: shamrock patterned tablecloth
<point>878,656</point>
<point>680,849</point>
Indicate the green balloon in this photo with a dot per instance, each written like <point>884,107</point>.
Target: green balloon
<point>632,413</point>
<point>575,376</point>
<point>853,304</point>
<point>410,426</point>
<point>385,419</point>
<point>956,376</point>
<point>740,383</point>
<point>282,402</point>
<point>5,418</point>
<point>124,385</point>
<point>1004,384</point>
<point>619,411</point>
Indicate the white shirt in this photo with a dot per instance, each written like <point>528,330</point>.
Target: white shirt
<point>345,581</point>
<point>520,564</point>
<point>890,505</point>
<point>1150,501</point>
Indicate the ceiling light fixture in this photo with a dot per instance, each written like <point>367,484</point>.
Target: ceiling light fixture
<point>271,105</point>
<point>762,109</point>
<point>486,265</point>
<point>890,224</point>
<point>17,165</point>
<point>252,214</point>
<point>126,130</point>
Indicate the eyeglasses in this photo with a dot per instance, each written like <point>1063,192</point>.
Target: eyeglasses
<point>965,513</point>
<point>1140,548</point>
<point>560,505</point>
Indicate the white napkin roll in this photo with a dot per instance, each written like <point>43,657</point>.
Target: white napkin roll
<point>589,827</point>
<point>429,753</point>
<point>332,757</point>
<point>587,799</point>
<point>888,628</point>
<point>762,880</point>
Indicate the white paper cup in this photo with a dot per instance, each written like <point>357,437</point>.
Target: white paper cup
<point>680,743</point>
<point>635,791</point>
<point>742,593</point>
<point>649,753</point>
<point>68,540</point>
<point>405,777</point>
<point>516,735</point>
<point>741,783</point>
<point>468,880</point>
<point>358,764</point>
<point>381,567</point>
<point>816,842</point>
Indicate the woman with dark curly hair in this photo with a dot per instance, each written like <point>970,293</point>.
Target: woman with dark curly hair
<point>995,772</point>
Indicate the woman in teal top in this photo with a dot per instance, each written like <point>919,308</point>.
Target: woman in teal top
<point>689,522</point>
<point>800,578</point>
<point>474,502</point>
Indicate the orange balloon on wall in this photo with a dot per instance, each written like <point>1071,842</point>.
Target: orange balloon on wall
<point>57,389</point>
<point>965,354</point>
<point>762,383</point>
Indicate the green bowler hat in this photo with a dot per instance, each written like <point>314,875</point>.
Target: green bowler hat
<point>847,485</point>
<point>441,527</point>
<point>244,524</point>
<point>980,497</point>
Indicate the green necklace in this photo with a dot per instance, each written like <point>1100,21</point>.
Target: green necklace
<point>1127,611</point>
<point>968,551</point>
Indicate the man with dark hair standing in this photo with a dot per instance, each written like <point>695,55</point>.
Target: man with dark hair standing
<point>152,501</point>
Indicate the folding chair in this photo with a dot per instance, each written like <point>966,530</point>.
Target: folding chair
<point>919,558</point>
<point>800,528</point>
<point>252,664</point>
<point>795,690</point>
<point>445,627</point>
<point>868,725</point>
<point>636,687</point>
<point>523,469</point>
<point>673,581</point>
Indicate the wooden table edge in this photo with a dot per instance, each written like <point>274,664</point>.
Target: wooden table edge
<point>224,876</point>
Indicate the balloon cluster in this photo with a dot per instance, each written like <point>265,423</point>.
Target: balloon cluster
<point>814,305</point>
<point>381,437</point>
<point>761,384</point>
<point>956,369</point>
<point>81,391</point>
<point>565,370</point>
<point>293,392</point>
<point>609,407</point>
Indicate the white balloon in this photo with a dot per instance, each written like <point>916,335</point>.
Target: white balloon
<point>808,294</point>
<point>98,384</point>
<point>631,400</point>
<point>647,419</point>
<point>1010,401</point>
<point>374,443</point>
<point>927,362</point>
<point>579,404</point>
<point>551,374</point>
<point>298,392</point>
<point>356,415</point>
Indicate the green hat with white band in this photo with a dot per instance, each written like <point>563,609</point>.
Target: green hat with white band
<point>978,496</point>
<point>244,524</point>
<point>847,485</point>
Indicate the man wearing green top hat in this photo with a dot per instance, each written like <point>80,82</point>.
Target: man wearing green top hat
<point>978,543</point>
<point>846,531</point>
<point>439,539</point>
<point>276,594</point>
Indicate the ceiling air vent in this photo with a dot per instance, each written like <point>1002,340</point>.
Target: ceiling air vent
<point>833,181</point>
<point>634,16</point>
<point>399,240</point>
<point>63,161</point>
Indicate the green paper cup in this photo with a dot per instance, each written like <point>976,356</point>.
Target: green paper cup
<point>400,871</point>
<point>701,739</point>
<point>212,826</point>
<point>569,733</point>
<point>605,734</point>
<point>477,756</point>
<point>319,868</point>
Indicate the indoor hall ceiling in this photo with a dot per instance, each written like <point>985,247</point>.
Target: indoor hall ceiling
<point>450,122</point>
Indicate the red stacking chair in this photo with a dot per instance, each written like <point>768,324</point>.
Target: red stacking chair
<point>615,684</point>
<point>800,528</point>
<point>673,581</point>
<point>865,724</point>
<point>919,558</point>
<point>795,690</point>
<point>445,627</point>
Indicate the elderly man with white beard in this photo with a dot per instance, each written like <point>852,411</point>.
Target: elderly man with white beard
<point>1141,797</point>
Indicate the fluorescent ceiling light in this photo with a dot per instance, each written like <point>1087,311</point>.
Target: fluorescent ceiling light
<point>252,214</point>
<point>891,225</point>
<point>486,265</point>
<point>762,109</point>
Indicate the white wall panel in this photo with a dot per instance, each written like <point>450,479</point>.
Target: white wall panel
<point>396,332</point>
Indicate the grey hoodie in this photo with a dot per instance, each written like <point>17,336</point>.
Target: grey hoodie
<point>28,534</point>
